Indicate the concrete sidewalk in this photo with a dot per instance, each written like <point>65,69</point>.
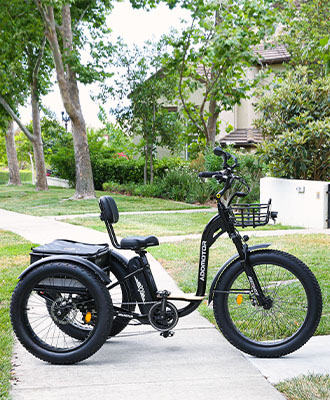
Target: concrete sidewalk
<point>196,363</point>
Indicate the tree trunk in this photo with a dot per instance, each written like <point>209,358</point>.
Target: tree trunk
<point>38,148</point>
<point>68,86</point>
<point>151,166</point>
<point>14,177</point>
<point>36,141</point>
<point>212,122</point>
<point>145,170</point>
<point>84,174</point>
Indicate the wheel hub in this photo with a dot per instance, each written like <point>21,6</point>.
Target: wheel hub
<point>268,303</point>
<point>63,311</point>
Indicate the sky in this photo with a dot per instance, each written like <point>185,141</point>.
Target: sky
<point>135,27</point>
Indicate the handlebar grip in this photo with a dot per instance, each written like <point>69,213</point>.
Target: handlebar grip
<point>219,152</point>
<point>226,157</point>
<point>207,174</point>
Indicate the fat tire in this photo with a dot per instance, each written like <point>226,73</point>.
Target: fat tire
<point>264,349</point>
<point>119,323</point>
<point>121,294</point>
<point>29,338</point>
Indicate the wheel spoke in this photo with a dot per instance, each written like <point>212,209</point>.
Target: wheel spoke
<point>287,311</point>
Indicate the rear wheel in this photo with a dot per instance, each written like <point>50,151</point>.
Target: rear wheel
<point>121,296</point>
<point>290,316</point>
<point>122,301</point>
<point>51,300</point>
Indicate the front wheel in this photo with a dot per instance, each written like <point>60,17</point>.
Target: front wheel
<point>53,298</point>
<point>292,313</point>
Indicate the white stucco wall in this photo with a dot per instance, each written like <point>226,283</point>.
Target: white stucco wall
<point>52,181</point>
<point>245,113</point>
<point>298,202</point>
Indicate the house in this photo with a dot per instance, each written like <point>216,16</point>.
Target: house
<point>243,115</point>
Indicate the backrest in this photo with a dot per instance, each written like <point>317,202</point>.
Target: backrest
<point>109,209</point>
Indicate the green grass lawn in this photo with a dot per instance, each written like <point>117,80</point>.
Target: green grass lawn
<point>306,387</point>
<point>181,261</point>
<point>159,224</point>
<point>56,201</point>
<point>14,257</point>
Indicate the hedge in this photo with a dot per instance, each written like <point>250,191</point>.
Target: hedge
<point>125,171</point>
<point>26,176</point>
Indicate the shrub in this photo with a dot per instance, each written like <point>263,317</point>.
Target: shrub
<point>108,164</point>
<point>162,166</point>
<point>149,190</point>
<point>300,155</point>
<point>183,184</point>
<point>179,184</point>
<point>62,158</point>
<point>295,120</point>
<point>26,176</point>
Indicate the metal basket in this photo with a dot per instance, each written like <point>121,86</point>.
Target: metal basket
<point>244,215</point>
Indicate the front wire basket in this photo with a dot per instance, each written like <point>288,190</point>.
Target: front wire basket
<point>254,215</point>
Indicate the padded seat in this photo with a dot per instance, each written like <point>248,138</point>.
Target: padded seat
<point>138,242</point>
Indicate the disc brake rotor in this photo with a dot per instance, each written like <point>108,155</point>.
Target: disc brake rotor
<point>63,311</point>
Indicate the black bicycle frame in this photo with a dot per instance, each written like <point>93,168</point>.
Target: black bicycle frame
<point>220,222</point>
<point>207,240</point>
<point>217,226</point>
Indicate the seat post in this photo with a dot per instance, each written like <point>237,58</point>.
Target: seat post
<point>112,234</point>
<point>143,257</point>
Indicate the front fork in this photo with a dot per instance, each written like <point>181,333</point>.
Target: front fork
<point>243,252</point>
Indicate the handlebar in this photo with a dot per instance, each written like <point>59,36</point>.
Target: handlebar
<point>226,175</point>
<point>226,157</point>
<point>227,169</point>
<point>208,174</point>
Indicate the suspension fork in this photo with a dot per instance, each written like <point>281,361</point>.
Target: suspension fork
<point>243,251</point>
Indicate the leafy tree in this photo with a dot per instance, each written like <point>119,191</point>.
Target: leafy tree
<point>63,24</point>
<point>149,89</point>
<point>213,55</point>
<point>61,157</point>
<point>118,140</point>
<point>24,70</point>
<point>306,33</point>
<point>295,122</point>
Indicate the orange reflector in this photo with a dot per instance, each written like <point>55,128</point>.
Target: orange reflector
<point>239,299</point>
<point>88,317</point>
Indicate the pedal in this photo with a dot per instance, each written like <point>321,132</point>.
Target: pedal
<point>162,293</point>
<point>167,334</point>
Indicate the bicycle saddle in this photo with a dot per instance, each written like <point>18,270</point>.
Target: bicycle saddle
<point>138,242</point>
<point>110,215</point>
